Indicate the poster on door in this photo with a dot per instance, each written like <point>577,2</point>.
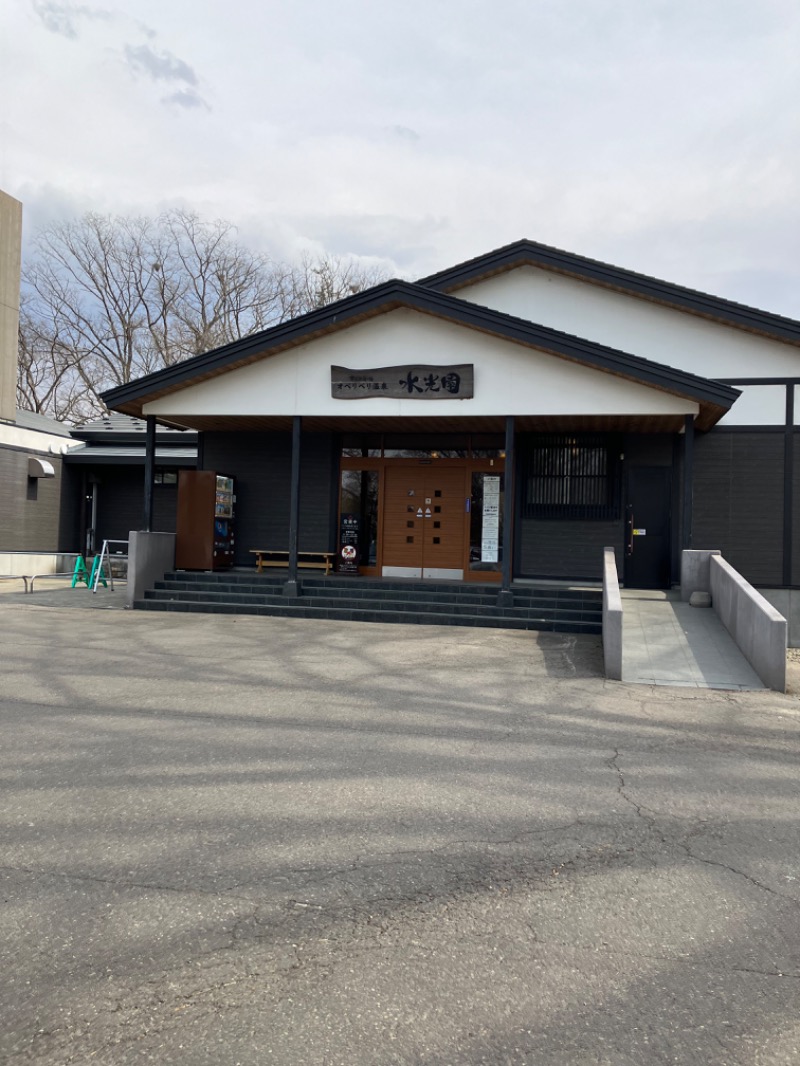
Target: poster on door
<point>348,544</point>
<point>490,526</point>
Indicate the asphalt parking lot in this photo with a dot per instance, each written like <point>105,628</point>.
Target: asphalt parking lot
<point>244,841</point>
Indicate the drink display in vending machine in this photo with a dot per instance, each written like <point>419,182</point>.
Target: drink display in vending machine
<point>205,525</point>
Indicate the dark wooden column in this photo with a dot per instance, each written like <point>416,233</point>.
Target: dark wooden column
<point>788,485</point>
<point>688,481</point>
<point>506,596</point>
<point>291,587</point>
<point>149,472</point>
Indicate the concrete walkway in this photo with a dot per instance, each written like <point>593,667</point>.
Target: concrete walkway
<point>57,592</point>
<point>667,642</point>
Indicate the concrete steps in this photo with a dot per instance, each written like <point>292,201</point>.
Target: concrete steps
<point>372,600</point>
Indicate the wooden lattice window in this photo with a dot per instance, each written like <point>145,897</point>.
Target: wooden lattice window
<point>570,476</point>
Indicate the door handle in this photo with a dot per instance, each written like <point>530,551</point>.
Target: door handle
<point>629,532</point>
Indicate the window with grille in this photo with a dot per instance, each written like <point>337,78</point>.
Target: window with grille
<point>570,476</point>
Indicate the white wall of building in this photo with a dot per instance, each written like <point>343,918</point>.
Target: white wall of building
<point>759,405</point>
<point>33,440</point>
<point>663,334</point>
<point>509,379</point>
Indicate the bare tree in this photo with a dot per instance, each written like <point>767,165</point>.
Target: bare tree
<point>316,281</point>
<point>106,300</point>
<point>47,378</point>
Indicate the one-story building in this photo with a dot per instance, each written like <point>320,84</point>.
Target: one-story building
<point>504,419</point>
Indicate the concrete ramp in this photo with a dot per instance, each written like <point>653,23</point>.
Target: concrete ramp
<point>667,642</point>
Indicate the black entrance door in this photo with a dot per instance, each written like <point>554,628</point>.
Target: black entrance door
<point>647,528</point>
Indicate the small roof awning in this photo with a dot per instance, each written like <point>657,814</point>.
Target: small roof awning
<point>40,468</point>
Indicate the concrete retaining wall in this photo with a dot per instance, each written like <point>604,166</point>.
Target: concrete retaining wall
<point>612,617</point>
<point>150,556</point>
<point>695,572</point>
<point>15,564</point>
<point>758,629</point>
<point>787,601</point>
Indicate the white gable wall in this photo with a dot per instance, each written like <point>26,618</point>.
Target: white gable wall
<point>665,335</point>
<point>509,379</point>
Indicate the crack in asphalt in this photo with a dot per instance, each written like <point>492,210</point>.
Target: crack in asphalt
<point>740,873</point>
<point>651,817</point>
<point>145,886</point>
<point>613,764</point>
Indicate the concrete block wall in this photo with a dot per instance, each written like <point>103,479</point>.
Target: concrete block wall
<point>612,617</point>
<point>696,572</point>
<point>15,564</point>
<point>787,602</point>
<point>150,556</point>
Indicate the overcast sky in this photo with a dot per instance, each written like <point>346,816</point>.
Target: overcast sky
<point>659,136</point>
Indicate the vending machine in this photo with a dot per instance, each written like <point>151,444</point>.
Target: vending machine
<point>205,524</point>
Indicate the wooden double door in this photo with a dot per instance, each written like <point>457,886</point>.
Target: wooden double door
<point>425,523</point>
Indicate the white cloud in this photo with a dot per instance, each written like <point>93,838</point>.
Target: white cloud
<point>64,18</point>
<point>663,136</point>
<point>161,66</point>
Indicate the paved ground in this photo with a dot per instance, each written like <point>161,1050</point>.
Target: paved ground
<point>667,642</point>
<point>242,840</point>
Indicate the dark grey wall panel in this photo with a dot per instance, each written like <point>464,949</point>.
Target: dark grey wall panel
<point>796,512</point>
<point>564,549</point>
<point>29,507</point>
<point>120,503</point>
<point>69,531</point>
<point>738,501</point>
<point>120,492</point>
<point>261,462</point>
<point>648,449</point>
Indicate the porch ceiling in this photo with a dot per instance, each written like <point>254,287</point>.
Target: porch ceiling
<point>492,424</point>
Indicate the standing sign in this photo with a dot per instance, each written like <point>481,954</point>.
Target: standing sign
<point>490,529</point>
<point>348,544</point>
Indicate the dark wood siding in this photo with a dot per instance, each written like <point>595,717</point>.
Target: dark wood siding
<point>738,501</point>
<point>261,464</point>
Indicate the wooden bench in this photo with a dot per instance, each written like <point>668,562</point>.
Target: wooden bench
<point>311,560</point>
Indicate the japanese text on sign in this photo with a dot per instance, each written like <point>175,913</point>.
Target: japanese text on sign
<point>404,383</point>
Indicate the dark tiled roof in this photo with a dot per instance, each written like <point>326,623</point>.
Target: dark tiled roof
<point>116,426</point>
<point>42,424</point>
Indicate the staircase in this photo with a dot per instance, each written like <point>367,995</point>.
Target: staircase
<point>354,599</point>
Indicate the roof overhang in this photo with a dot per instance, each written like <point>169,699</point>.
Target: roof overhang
<point>712,398</point>
<point>436,424</point>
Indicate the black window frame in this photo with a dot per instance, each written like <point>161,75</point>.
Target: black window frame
<point>571,476</point>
